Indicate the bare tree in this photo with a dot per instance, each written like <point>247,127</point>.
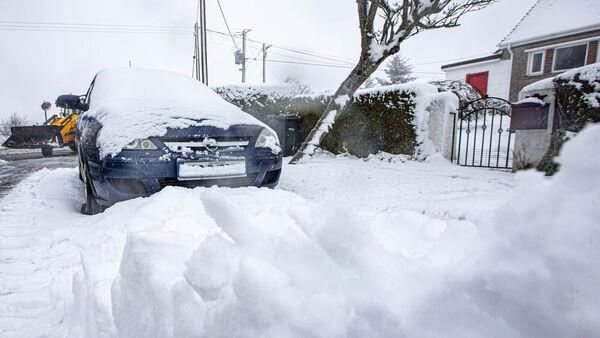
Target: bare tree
<point>13,120</point>
<point>397,70</point>
<point>384,25</point>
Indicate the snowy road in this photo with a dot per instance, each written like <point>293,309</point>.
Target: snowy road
<point>18,165</point>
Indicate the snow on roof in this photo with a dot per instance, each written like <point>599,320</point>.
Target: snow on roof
<point>140,103</point>
<point>554,17</point>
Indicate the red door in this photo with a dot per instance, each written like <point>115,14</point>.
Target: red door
<point>479,81</point>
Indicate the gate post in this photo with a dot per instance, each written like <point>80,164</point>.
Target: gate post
<point>531,144</point>
<point>453,137</point>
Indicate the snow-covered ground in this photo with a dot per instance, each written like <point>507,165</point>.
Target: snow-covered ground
<point>344,247</point>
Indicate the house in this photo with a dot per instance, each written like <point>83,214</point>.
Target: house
<point>553,36</point>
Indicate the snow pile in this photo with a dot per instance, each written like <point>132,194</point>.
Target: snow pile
<point>281,266</point>
<point>432,115</point>
<point>541,278</point>
<point>358,253</point>
<point>275,264</point>
<point>139,103</point>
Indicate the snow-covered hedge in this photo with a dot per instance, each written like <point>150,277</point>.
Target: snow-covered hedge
<point>409,119</point>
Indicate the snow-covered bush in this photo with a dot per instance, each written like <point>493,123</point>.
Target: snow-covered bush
<point>577,103</point>
<point>396,119</point>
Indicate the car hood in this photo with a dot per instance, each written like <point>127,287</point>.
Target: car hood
<point>134,104</point>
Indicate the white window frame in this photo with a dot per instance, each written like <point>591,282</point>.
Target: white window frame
<point>530,63</point>
<point>554,58</point>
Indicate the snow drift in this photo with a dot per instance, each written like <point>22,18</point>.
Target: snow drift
<point>282,266</point>
<point>259,262</point>
<point>254,262</point>
<point>140,103</point>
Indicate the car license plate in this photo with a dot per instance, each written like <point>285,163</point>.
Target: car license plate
<point>210,170</point>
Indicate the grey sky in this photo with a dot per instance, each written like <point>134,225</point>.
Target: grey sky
<point>37,66</point>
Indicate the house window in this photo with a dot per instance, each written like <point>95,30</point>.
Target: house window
<point>569,57</point>
<point>536,63</point>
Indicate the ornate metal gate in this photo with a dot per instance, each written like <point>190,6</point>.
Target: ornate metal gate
<point>482,135</point>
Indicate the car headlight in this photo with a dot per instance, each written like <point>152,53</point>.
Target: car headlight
<point>268,139</point>
<point>141,144</point>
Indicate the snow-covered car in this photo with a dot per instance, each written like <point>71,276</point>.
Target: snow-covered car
<point>147,129</point>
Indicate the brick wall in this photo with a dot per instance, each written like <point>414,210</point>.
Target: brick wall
<point>548,60</point>
<point>519,77</point>
<point>592,56</point>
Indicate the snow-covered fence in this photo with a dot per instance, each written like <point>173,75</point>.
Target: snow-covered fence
<point>412,119</point>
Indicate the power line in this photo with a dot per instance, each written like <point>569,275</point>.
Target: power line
<point>143,29</point>
<point>227,24</point>
<point>336,66</point>
<point>178,30</point>
<point>299,51</point>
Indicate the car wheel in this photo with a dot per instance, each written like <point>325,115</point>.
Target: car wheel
<point>73,147</point>
<point>47,151</point>
<point>91,206</point>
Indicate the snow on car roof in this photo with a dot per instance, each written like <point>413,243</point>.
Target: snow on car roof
<point>141,103</point>
<point>551,17</point>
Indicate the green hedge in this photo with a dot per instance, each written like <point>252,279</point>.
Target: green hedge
<point>376,120</point>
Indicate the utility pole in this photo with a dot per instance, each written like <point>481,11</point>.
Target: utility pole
<point>264,59</point>
<point>244,32</point>
<point>200,49</point>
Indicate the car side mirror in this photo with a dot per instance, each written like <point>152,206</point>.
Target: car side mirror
<point>71,102</point>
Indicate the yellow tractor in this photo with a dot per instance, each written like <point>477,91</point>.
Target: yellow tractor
<point>57,132</point>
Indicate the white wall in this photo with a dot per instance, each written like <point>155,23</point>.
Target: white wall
<point>499,76</point>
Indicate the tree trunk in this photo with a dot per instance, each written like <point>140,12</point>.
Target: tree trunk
<point>336,106</point>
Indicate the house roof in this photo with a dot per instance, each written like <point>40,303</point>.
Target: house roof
<point>493,57</point>
<point>552,18</point>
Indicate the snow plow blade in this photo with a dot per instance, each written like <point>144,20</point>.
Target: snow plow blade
<point>33,137</point>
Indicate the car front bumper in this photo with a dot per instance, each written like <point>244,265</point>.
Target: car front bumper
<point>125,177</point>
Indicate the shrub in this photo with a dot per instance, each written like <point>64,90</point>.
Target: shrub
<point>577,104</point>
<point>376,120</point>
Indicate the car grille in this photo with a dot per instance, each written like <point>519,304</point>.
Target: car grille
<point>210,144</point>
<point>230,182</point>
